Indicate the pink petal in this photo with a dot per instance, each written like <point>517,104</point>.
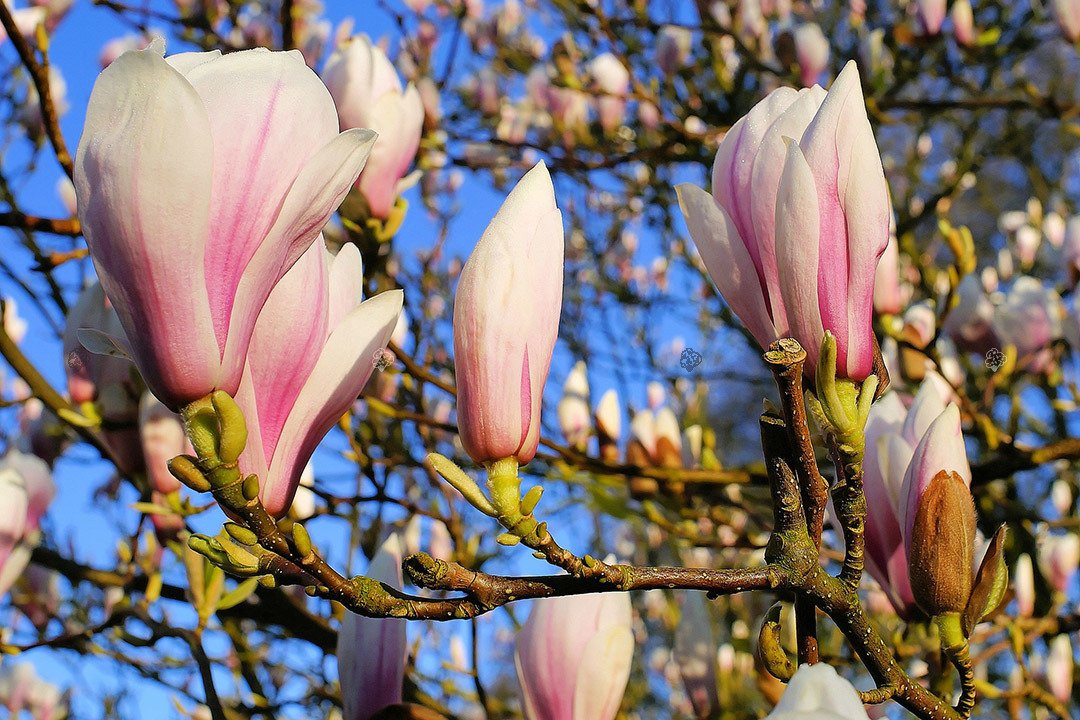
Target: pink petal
<point>142,178</point>
<point>797,251</point>
<point>399,120</point>
<point>341,372</point>
<point>727,260</point>
<point>346,284</point>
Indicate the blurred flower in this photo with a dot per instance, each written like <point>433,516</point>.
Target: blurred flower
<point>789,247</point>
<point>970,321</point>
<point>506,320</point>
<point>812,51</point>
<point>573,409</point>
<point>371,652</point>
<point>14,325</point>
<point>1067,14</point>
<point>573,657</point>
<point>26,490</point>
<point>312,351</point>
<point>816,692</point>
<point>1030,319</point>
<point>963,19</point>
<point>931,15</point>
<point>1023,581</point>
<point>673,44</point>
<point>695,654</point>
<point>1059,667</point>
<point>162,434</point>
<point>612,80</point>
<point>368,94</point>
<point>253,168</point>
<point>1059,556</point>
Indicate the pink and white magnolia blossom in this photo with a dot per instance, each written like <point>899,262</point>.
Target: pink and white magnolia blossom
<point>1067,14</point>
<point>963,21</point>
<point>201,179</point>
<point>611,80</point>
<point>575,417</point>
<point>793,230</point>
<point>371,652</point>
<point>673,45</point>
<point>817,692</point>
<point>890,296</point>
<point>931,15</point>
<point>506,321</point>
<point>161,432</point>
<point>26,490</point>
<point>1031,317</point>
<point>1023,583</point>
<point>970,321</point>
<point>368,94</point>
<point>1059,556</point>
<point>1060,668</point>
<point>812,51</point>
<point>573,657</point>
<point>313,349</point>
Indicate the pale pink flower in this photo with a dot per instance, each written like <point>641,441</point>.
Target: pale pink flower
<point>1059,667</point>
<point>368,94</point>
<point>201,179</point>
<point>963,20</point>
<point>313,349</point>
<point>1031,317</point>
<point>1059,556</point>
<point>793,233</point>
<point>506,320</point>
<point>673,44</point>
<point>26,490</point>
<point>812,50</point>
<point>161,432</point>
<point>371,651</point>
<point>817,692</point>
<point>931,15</point>
<point>611,80</point>
<point>573,657</point>
<point>1067,14</point>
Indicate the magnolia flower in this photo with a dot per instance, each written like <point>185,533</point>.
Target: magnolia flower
<point>936,485</point>
<point>26,490</point>
<point>695,654</point>
<point>1023,580</point>
<point>1071,250</point>
<point>371,651</point>
<point>970,321</point>
<point>368,94</point>
<point>673,44</point>
<point>573,657</point>
<point>931,15</point>
<point>506,320</point>
<point>1059,668</point>
<point>14,325</point>
<point>573,408</point>
<point>1059,556</point>
<point>37,595</point>
<point>817,692</point>
<point>314,347</point>
<point>812,51</point>
<point>161,432</point>
<point>26,21</point>
<point>793,232</point>
<point>1067,14</point>
<point>1030,319</point>
<point>889,296</point>
<point>963,19</point>
<point>612,80</point>
<point>201,179</point>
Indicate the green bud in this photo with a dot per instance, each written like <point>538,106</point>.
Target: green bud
<point>241,534</point>
<point>201,424</point>
<point>508,539</point>
<point>770,649</point>
<point>301,540</point>
<point>462,483</point>
<point>232,428</point>
<point>250,487</point>
<point>184,469</point>
<point>528,503</point>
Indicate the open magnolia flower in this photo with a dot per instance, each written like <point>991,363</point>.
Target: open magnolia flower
<point>201,178</point>
<point>816,692</point>
<point>314,348</point>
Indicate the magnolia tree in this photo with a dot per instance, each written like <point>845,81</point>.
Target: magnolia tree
<point>324,306</point>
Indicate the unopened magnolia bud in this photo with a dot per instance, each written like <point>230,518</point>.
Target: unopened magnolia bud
<point>941,554</point>
<point>232,433</point>
<point>184,469</point>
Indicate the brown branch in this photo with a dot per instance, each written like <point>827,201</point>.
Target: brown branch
<point>56,226</point>
<point>1012,459</point>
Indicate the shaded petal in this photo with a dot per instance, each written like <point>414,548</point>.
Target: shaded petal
<point>334,384</point>
<point>727,260</point>
<point>289,336</point>
<point>346,284</point>
<point>142,179</point>
<point>941,448</point>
